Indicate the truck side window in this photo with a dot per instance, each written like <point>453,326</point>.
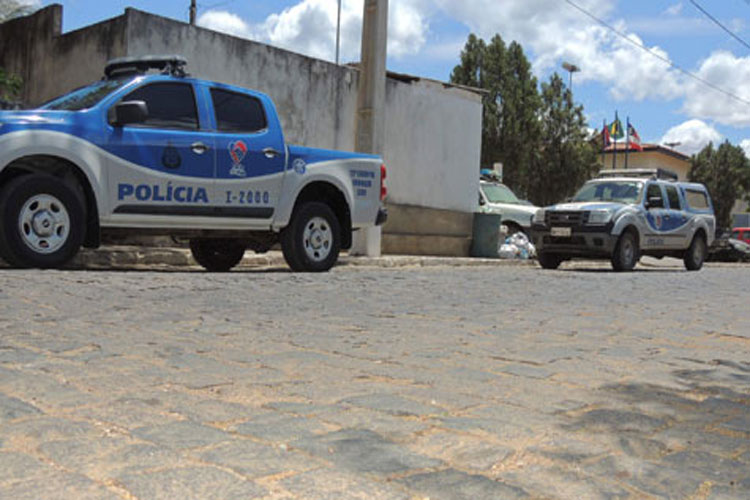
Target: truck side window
<point>237,112</point>
<point>696,199</point>
<point>674,198</point>
<point>654,192</point>
<point>170,105</point>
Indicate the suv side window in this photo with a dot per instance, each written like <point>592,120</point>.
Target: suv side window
<point>674,198</point>
<point>654,194</point>
<point>237,112</point>
<point>696,199</point>
<point>170,105</point>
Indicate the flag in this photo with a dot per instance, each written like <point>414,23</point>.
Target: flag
<point>606,139</point>
<point>634,138</point>
<point>615,130</point>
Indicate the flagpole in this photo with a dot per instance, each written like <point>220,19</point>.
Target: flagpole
<point>627,141</point>
<point>604,144</point>
<point>614,156</point>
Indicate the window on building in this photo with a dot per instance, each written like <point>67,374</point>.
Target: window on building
<point>674,198</point>
<point>237,112</point>
<point>170,105</point>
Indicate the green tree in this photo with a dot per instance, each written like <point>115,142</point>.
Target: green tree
<point>510,106</point>
<point>725,171</point>
<point>10,9</point>
<point>566,158</point>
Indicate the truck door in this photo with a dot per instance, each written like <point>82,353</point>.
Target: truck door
<point>165,165</point>
<point>251,157</point>
<point>676,220</point>
<point>655,217</point>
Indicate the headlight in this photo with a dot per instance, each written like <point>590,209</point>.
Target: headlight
<point>538,217</point>
<point>600,217</point>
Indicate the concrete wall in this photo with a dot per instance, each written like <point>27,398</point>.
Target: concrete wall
<point>433,130</point>
<point>650,159</point>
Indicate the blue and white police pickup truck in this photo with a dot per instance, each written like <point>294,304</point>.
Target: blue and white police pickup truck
<point>149,151</point>
<point>624,214</point>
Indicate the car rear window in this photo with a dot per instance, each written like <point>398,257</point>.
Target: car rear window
<point>696,199</point>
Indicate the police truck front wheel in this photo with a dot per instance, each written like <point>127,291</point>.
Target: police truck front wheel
<point>312,241</point>
<point>627,253</point>
<point>217,255</point>
<point>42,221</point>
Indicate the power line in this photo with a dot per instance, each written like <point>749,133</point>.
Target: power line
<point>720,25</point>
<point>657,55</point>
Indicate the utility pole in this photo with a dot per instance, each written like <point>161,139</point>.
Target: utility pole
<point>193,9</point>
<point>370,129</point>
<point>338,34</point>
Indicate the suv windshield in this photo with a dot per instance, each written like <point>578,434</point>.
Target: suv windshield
<point>85,97</point>
<point>619,191</point>
<point>497,193</point>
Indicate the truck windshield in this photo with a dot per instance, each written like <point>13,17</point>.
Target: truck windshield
<point>85,97</point>
<point>619,191</point>
<point>497,193</point>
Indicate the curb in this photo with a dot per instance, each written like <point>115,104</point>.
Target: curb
<point>128,256</point>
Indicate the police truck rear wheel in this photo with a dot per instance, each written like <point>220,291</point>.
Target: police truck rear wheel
<point>312,241</point>
<point>696,254</point>
<point>626,254</point>
<point>42,222</point>
<point>217,255</point>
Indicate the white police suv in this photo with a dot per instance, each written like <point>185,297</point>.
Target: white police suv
<point>624,214</point>
<point>148,150</point>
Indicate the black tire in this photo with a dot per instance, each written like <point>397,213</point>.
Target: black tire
<point>549,260</point>
<point>627,252</point>
<point>695,255</point>
<point>217,255</point>
<point>312,240</point>
<point>42,222</point>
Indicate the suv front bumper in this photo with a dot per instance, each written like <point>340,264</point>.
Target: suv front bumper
<point>584,241</point>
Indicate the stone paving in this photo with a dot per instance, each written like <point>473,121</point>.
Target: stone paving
<point>412,383</point>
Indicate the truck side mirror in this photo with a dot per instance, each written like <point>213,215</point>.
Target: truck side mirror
<point>128,112</point>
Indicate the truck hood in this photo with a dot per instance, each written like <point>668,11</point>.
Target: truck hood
<point>592,205</point>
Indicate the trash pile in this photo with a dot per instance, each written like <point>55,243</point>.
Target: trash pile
<point>517,246</point>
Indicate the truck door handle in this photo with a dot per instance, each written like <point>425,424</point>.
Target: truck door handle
<point>198,148</point>
<point>271,153</point>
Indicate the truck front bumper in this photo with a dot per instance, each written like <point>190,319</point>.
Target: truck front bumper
<point>585,242</point>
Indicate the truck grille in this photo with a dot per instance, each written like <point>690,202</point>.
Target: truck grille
<point>571,219</point>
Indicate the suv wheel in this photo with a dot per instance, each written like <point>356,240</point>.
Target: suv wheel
<point>217,255</point>
<point>695,254</point>
<point>42,222</point>
<point>549,261</point>
<point>312,241</point>
<point>626,254</point>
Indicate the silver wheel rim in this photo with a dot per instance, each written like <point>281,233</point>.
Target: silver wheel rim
<point>44,224</point>
<point>317,239</point>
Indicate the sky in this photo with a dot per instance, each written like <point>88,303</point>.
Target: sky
<point>702,96</point>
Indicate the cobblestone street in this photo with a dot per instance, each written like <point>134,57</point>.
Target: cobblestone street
<point>438,383</point>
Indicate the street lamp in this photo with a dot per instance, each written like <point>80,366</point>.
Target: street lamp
<point>570,68</point>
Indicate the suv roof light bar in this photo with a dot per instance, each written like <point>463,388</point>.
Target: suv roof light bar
<point>651,173</point>
<point>168,64</point>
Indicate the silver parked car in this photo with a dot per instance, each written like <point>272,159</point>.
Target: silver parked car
<point>625,214</point>
<point>495,197</point>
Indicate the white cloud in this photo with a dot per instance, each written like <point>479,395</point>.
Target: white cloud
<point>745,145</point>
<point>554,31</point>
<point>225,22</point>
<point>674,10</point>
<point>309,27</point>
<point>692,136</point>
<point>728,72</point>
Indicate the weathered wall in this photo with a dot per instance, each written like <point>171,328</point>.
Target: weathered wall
<point>433,131</point>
